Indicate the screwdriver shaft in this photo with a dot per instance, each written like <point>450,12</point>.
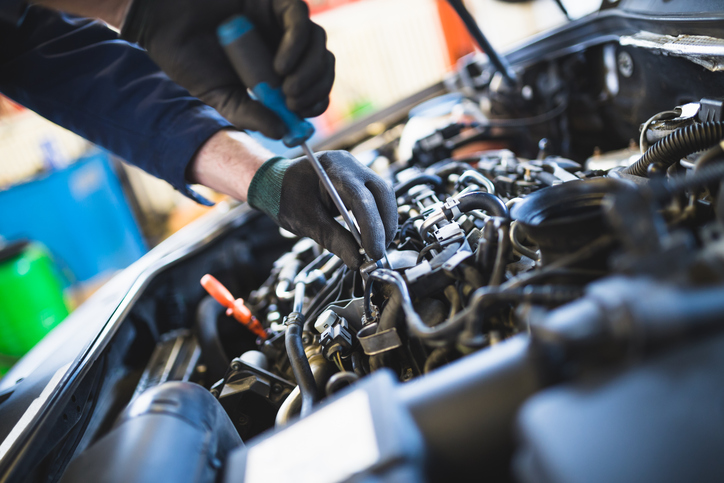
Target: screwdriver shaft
<point>322,174</point>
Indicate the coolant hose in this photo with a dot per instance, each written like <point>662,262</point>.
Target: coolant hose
<point>415,324</point>
<point>678,144</point>
<point>430,179</point>
<point>207,333</point>
<point>388,320</point>
<point>477,200</point>
<point>300,364</point>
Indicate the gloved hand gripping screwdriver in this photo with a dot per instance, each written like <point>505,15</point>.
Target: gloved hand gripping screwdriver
<point>252,62</point>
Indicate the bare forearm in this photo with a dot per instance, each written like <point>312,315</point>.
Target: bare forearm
<point>227,163</point>
<point>110,11</point>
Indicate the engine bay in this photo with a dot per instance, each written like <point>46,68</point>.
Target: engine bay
<point>553,234</point>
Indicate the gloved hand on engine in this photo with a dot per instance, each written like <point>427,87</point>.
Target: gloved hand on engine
<point>290,192</point>
<point>180,36</point>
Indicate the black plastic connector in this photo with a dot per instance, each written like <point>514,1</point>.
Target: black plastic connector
<point>711,110</point>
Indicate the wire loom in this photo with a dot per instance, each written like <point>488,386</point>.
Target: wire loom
<point>678,144</point>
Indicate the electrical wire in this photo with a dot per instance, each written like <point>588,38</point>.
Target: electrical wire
<point>643,143</point>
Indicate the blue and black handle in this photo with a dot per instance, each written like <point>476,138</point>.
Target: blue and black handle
<point>253,63</point>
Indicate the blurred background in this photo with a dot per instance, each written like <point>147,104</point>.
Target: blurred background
<point>71,215</point>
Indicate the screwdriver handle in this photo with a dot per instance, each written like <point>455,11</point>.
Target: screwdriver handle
<point>220,293</point>
<point>234,307</point>
<point>253,63</point>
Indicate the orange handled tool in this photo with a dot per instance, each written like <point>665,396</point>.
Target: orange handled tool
<point>234,307</point>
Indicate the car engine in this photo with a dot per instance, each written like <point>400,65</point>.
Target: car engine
<point>552,300</point>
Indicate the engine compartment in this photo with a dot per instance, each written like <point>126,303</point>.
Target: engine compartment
<point>550,232</point>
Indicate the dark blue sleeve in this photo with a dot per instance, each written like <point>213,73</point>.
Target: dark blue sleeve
<point>78,74</point>
<point>11,10</point>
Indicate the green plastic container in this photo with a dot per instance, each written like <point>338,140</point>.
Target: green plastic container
<point>31,299</point>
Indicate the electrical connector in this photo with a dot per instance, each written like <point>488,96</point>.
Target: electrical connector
<point>337,339</point>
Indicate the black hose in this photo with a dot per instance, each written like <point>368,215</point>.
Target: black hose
<point>388,319</point>
<point>414,322</point>
<point>357,365</point>
<point>300,364</point>
<point>339,381</point>
<point>207,333</point>
<point>430,179</point>
<point>501,256</point>
<point>477,200</point>
<point>678,144</point>
<point>445,168</point>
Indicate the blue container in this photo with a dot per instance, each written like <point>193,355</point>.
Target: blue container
<point>79,213</point>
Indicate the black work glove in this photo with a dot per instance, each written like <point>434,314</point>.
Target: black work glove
<point>180,36</point>
<point>291,193</point>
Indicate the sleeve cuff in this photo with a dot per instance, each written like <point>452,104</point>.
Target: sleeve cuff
<point>182,140</point>
<point>265,189</point>
<point>190,193</point>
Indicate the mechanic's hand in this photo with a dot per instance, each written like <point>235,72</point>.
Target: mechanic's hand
<point>290,192</point>
<point>180,36</point>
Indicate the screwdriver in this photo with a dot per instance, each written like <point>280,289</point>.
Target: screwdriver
<point>252,62</point>
<point>234,307</point>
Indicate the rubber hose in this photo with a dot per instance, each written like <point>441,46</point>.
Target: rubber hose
<point>300,365</point>
<point>430,179</point>
<point>339,381</point>
<point>477,200</point>
<point>678,144</point>
<point>388,320</point>
<point>357,364</point>
<point>207,332</point>
<point>445,169</point>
